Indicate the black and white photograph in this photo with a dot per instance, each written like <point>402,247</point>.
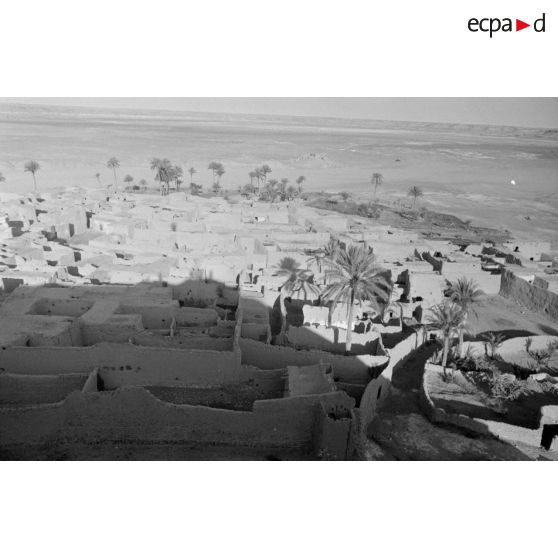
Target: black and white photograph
<point>278,279</point>
<point>180,284</point>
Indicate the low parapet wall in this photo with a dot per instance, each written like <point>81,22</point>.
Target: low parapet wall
<point>532,297</point>
<point>349,369</point>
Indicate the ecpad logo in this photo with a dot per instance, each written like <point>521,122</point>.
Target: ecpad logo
<point>493,25</point>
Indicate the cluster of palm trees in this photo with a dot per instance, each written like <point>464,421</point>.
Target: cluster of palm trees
<point>260,175</point>
<point>166,174</point>
<point>450,317</point>
<point>271,190</point>
<point>352,275</point>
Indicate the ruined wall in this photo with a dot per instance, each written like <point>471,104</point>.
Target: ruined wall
<point>200,317</point>
<point>112,377</point>
<point>55,332</point>
<point>133,414</point>
<point>197,291</point>
<point>534,298</point>
<point>352,369</point>
<point>71,307</point>
<point>436,263</point>
<point>333,339</point>
<point>197,365</point>
<point>17,389</point>
<point>179,341</point>
<point>378,389</point>
<point>332,432</point>
<point>257,332</point>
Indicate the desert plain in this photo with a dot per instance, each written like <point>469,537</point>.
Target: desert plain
<point>495,176</point>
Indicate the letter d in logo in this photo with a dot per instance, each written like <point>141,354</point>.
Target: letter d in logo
<point>539,25</point>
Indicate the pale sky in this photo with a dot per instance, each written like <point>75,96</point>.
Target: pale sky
<point>513,111</point>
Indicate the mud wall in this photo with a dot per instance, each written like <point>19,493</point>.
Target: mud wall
<point>201,342</point>
<point>333,339</point>
<point>257,332</point>
<point>435,262</point>
<point>352,369</point>
<point>198,365</point>
<point>532,297</point>
<point>17,389</point>
<point>133,414</point>
<point>112,377</point>
<point>378,389</point>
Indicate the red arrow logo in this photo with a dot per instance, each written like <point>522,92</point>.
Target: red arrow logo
<point>519,25</point>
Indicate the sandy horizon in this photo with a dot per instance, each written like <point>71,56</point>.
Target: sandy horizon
<point>464,169</point>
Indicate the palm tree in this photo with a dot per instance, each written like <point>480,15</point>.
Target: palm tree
<point>296,280</point>
<point>492,340</point>
<point>448,319</point>
<point>265,170</point>
<point>299,182</point>
<point>215,167</point>
<point>32,167</point>
<point>327,252</point>
<point>113,163</point>
<point>98,177</point>
<point>353,275</point>
<point>252,174</point>
<point>220,172</point>
<point>377,179</point>
<point>259,175</point>
<point>128,179</point>
<point>191,172</point>
<point>163,172</point>
<point>143,183</point>
<point>465,294</point>
<point>416,192</point>
<point>177,174</point>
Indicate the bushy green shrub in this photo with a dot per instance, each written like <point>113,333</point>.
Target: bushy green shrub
<point>506,387</point>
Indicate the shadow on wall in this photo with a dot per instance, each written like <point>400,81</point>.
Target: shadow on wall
<point>181,344</point>
<point>222,371</point>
